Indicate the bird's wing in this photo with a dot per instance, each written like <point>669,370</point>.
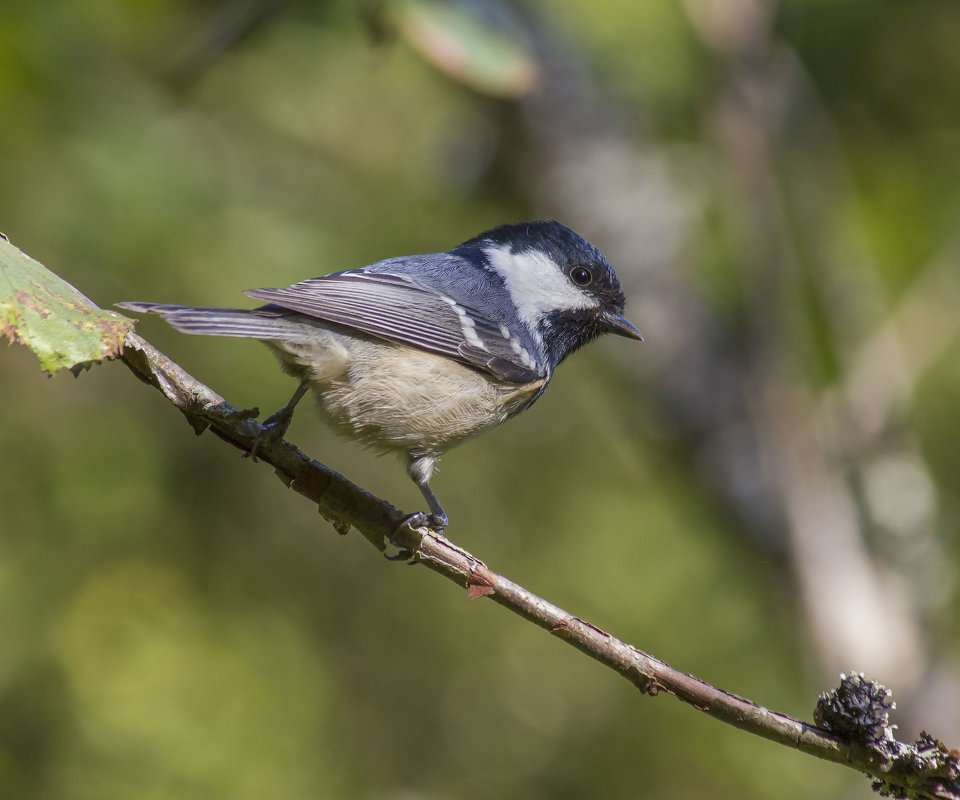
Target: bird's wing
<point>396,308</point>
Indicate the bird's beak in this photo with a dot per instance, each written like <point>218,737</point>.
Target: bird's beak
<point>622,327</point>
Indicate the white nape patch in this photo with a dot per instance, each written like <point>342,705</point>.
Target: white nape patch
<point>536,284</point>
<point>467,326</point>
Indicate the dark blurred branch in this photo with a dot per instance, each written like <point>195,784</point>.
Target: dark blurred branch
<point>234,24</point>
<point>768,123</point>
<point>921,775</point>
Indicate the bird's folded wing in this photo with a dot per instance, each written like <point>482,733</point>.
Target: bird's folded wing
<point>396,308</point>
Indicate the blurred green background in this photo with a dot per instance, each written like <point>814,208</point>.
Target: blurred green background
<point>764,493</point>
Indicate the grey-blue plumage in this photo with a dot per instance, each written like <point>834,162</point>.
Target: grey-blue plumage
<point>418,353</point>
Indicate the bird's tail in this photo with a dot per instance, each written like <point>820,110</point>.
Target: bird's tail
<point>257,323</point>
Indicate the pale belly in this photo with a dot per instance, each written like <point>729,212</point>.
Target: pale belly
<point>393,398</point>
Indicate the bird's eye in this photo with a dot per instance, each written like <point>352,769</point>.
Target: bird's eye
<point>581,276</point>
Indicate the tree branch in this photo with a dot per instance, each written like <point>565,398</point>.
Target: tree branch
<point>921,770</point>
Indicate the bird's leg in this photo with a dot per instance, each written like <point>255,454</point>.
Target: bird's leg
<point>420,468</point>
<point>436,520</point>
<point>277,423</point>
<point>438,517</point>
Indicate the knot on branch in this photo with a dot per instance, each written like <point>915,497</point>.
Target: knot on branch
<point>857,710</point>
<point>930,768</point>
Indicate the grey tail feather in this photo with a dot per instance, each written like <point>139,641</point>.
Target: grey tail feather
<point>245,323</point>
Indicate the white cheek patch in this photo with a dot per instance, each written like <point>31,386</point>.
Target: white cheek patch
<point>536,284</point>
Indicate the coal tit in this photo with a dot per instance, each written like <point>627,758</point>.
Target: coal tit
<point>419,353</point>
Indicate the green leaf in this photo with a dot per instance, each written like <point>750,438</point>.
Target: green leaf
<point>45,313</point>
<point>491,55</point>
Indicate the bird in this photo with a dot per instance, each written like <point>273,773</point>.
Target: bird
<point>417,354</point>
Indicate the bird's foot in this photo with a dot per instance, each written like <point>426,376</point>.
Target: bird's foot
<point>275,426</point>
<point>274,429</point>
<point>417,521</point>
<point>437,523</point>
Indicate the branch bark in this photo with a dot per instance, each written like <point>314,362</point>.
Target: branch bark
<point>904,770</point>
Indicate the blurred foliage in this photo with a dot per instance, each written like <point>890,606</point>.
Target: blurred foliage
<point>177,625</point>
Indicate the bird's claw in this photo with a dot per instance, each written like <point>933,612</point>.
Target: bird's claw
<point>274,429</point>
<point>400,555</point>
<point>418,521</point>
<point>275,426</point>
<point>436,523</point>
